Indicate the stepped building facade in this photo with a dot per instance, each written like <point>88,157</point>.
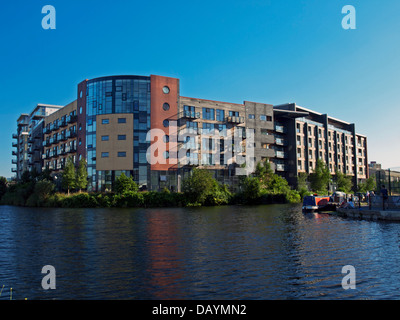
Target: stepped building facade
<point>143,127</point>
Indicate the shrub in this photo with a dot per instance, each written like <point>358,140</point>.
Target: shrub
<point>124,184</point>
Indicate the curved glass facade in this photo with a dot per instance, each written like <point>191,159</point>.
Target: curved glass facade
<point>118,95</point>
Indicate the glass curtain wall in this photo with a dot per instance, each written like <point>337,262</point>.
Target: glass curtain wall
<point>109,95</point>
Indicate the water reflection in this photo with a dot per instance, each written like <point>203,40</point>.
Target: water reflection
<point>264,252</point>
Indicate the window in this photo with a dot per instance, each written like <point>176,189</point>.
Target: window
<point>208,114</point>
<point>105,121</point>
<point>166,155</point>
<point>121,137</point>
<point>220,115</point>
<point>269,118</point>
<point>165,106</point>
<point>252,116</point>
<point>104,154</point>
<point>121,120</point>
<point>264,132</point>
<point>166,123</point>
<point>265,145</point>
<point>122,154</point>
<point>166,138</point>
<point>263,117</point>
<point>165,90</point>
<point>234,113</point>
<point>104,138</point>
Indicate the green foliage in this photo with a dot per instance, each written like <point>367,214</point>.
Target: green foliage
<point>42,191</point>
<point>3,186</point>
<point>367,185</point>
<point>251,189</point>
<point>81,175</point>
<point>69,176</point>
<point>124,184</point>
<point>302,185</point>
<point>343,182</point>
<point>197,187</point>
<point>320,178</point>
<point>266,187</point>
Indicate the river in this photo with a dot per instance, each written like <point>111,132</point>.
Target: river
<point>233,252</point>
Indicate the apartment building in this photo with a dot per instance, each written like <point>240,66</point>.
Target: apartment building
<point>311,135</point>
<point>29,138</point>
<point>116,122</point>
<point>59,137</point>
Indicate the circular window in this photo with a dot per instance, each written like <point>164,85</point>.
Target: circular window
<point>166,123</point>
<point>166,139</point>
<point>165,90</point>
<point>165,106</point>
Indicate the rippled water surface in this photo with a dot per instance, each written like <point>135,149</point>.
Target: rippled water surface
<point>263,252</point>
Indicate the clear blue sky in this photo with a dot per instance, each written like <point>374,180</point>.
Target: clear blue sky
<point>270,51</point>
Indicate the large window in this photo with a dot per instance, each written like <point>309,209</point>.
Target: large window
<point>220,115</point>
<point>208,114</point>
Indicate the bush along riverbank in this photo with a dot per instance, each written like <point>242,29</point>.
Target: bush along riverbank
<point>200,189</point>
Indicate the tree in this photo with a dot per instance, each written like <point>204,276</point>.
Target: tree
<point>124,184</point>
<point>343,182</point>
<point>81,175</point>
<point>69,176</point>
<point>251,188</point>
<point>3,186</point>
<point>198,185</point>
<point>367,185</point>
<point>320,178</point>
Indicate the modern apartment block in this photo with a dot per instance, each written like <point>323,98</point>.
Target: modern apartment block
<point>59,137</point>
<point>29,138</point>
<point>308,135</point>
<point>116,122</point>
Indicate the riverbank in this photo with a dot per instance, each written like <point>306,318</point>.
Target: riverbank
<point>373,214</point>
<point>145,199</point>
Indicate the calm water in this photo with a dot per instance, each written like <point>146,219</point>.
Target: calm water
<point>265,252</point>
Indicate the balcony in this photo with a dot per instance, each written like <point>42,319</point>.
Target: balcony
<point>280,154</point>
<point>280,141</point>
<point>72,119</point>
<point>63,123</point>
<point>15,145</point>
<point>14,161</point>
<point>15,136</point>
<point>190,114</point>
<point>70,134</point>
<point>13,170</point>
<point>14,153</point>
<point>235,119</point>
<point>62,137</point>
<point>280,167</point>
<point>280,129</point>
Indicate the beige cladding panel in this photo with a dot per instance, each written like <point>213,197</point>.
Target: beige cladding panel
<point>112,129</point>
<point>61,112</point>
